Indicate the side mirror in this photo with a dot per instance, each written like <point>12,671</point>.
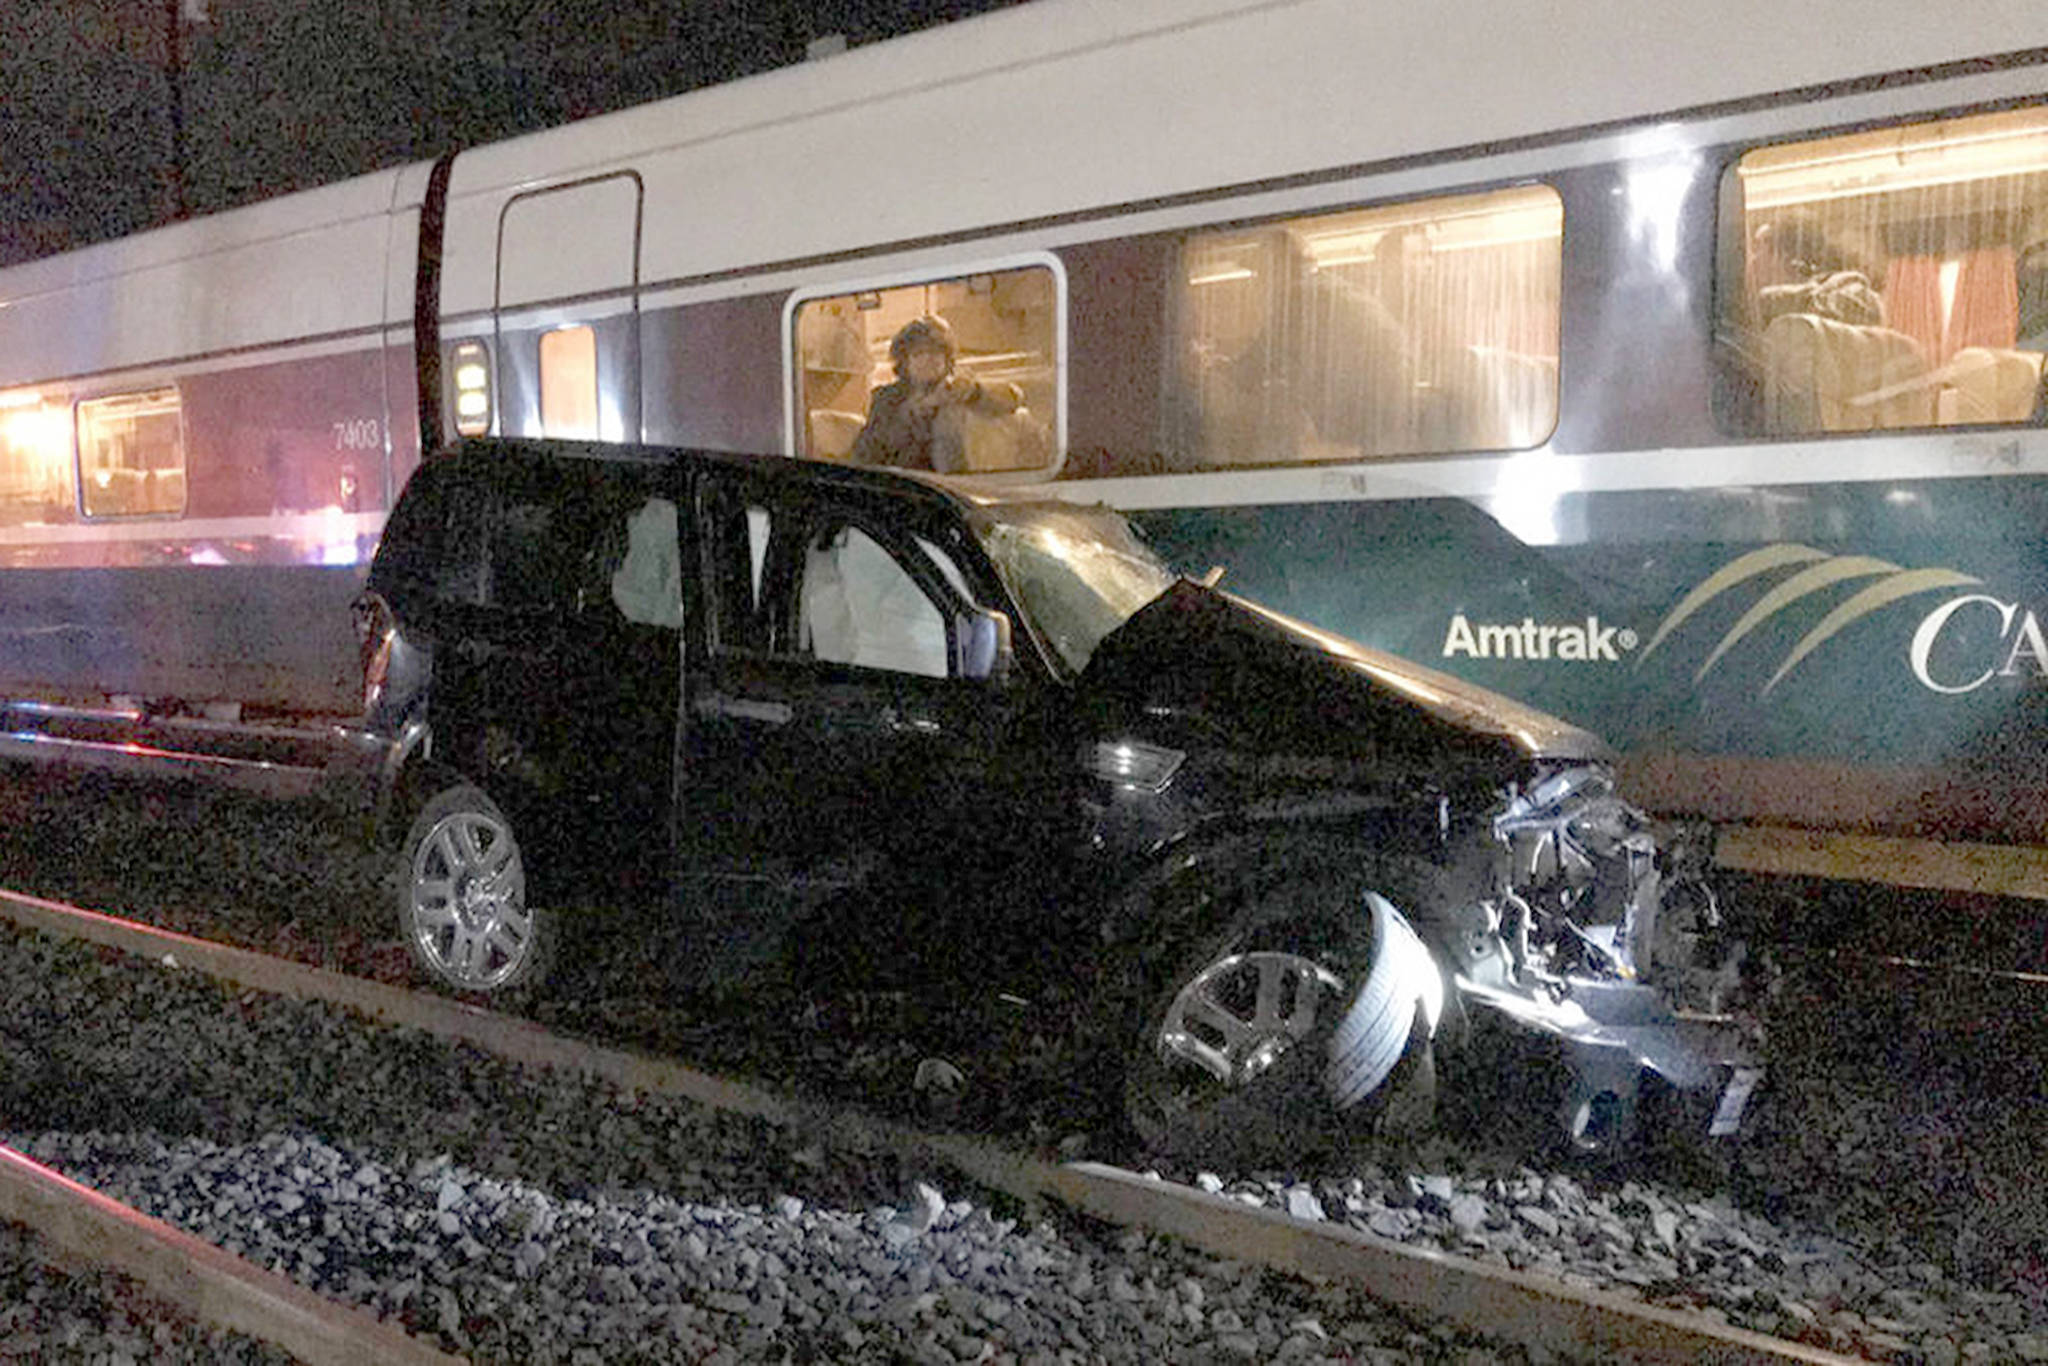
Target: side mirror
<point>984,644</point>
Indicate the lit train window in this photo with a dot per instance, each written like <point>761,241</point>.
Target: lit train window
<point>36,471</point>
<point>568,382</point>
<point>131,455</point>
<point>1002,328</point>
<point>1896,278</point>
<point>1422,327</point>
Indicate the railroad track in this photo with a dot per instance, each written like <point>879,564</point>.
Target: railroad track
<point>1502,1304</point>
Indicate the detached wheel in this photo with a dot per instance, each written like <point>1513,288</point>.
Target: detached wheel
<point>462,898</point>
<point>1307,1018</point>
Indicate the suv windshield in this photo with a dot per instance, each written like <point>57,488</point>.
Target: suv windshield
<point>1079,572</point>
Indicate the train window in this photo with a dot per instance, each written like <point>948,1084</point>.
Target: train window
<point>131,454</point>
<point>35,458</point>
<point>470,371</point>
<point>1894,278</point>
<point>1422,327</point>
<point>1003,330</point>
<point>568,382</point>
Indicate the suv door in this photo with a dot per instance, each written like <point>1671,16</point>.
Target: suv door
<point>574,666</point>
<point>834,740</point>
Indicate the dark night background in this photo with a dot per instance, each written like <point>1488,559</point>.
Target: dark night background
<point>278,95</point>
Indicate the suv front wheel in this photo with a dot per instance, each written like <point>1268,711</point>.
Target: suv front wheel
<point>462,906</point>
<point>1311,1012</point>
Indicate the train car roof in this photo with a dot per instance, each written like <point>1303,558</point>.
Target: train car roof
<point>304,266</point>
<point>1066,107</point>
<point>1050,109</point>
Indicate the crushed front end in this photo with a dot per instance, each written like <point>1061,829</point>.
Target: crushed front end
<point>1591,934</point>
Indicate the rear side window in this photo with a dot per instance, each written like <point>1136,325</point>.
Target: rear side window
<point>1886,279</point>
<point>432,549</point>
<point>585,542</point>
<point>647,580</point>
<point>557,540</point>
<point>533,554</point>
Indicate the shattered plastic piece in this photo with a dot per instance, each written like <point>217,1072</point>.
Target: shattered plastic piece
<point>1302,1204</point>
<point>939,1075</point>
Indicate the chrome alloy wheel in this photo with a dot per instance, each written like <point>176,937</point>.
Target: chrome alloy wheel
<point>467,902</point>
<point>1239,1015</point>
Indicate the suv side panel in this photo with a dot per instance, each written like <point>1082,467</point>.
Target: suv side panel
<point>554,615</point>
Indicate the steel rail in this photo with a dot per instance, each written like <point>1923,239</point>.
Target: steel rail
<point>212,1285</point>
<point>2009,870</point>
<point>1534,1311</point>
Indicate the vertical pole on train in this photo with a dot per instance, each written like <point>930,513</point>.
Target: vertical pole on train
<point>426,311</point>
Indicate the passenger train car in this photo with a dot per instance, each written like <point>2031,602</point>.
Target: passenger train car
<point>1677,369</point>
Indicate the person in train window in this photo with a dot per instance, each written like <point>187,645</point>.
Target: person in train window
<point>919,421</point>
<point>2031,278</point>
<point>1795,269</point>
<point>1790,267</point>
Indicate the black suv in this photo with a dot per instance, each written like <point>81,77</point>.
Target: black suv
<point>1262,865</point>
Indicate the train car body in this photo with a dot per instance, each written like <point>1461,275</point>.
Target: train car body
<point>1675,369</point>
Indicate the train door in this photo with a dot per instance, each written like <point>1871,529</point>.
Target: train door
<point>566,310</point>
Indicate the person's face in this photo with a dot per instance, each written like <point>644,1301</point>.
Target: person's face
<point>925,365</point>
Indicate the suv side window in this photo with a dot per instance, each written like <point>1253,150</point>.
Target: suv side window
<point>647,580</point>
<point>433,546</point>
<point>589,551</point>
<point>531,555</point>
<point>825,585</point>
<point>736,534</point>
<point>856,604</point>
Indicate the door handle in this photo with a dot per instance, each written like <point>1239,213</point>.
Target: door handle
<point>900,724</point>
<point>745,708</point>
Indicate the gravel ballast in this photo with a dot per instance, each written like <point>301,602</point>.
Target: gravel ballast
<point>522,1216</point>
<point>528,1216</point>
<point>51,1312</point>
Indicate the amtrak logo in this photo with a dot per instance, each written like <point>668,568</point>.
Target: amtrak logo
<point>1814,571</point>
<point>1586,641</point>
<point>1960,645</point>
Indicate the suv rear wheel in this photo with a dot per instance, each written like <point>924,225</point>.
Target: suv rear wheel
<point>462,906</point>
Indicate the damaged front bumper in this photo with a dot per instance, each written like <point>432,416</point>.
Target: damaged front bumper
<point>1614,1035</point>
<point>1604,936</point>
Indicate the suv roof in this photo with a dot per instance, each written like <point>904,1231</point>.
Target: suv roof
<point>488,450</point>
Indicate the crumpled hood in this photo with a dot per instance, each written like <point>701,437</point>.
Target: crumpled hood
<point>1201,649</point>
